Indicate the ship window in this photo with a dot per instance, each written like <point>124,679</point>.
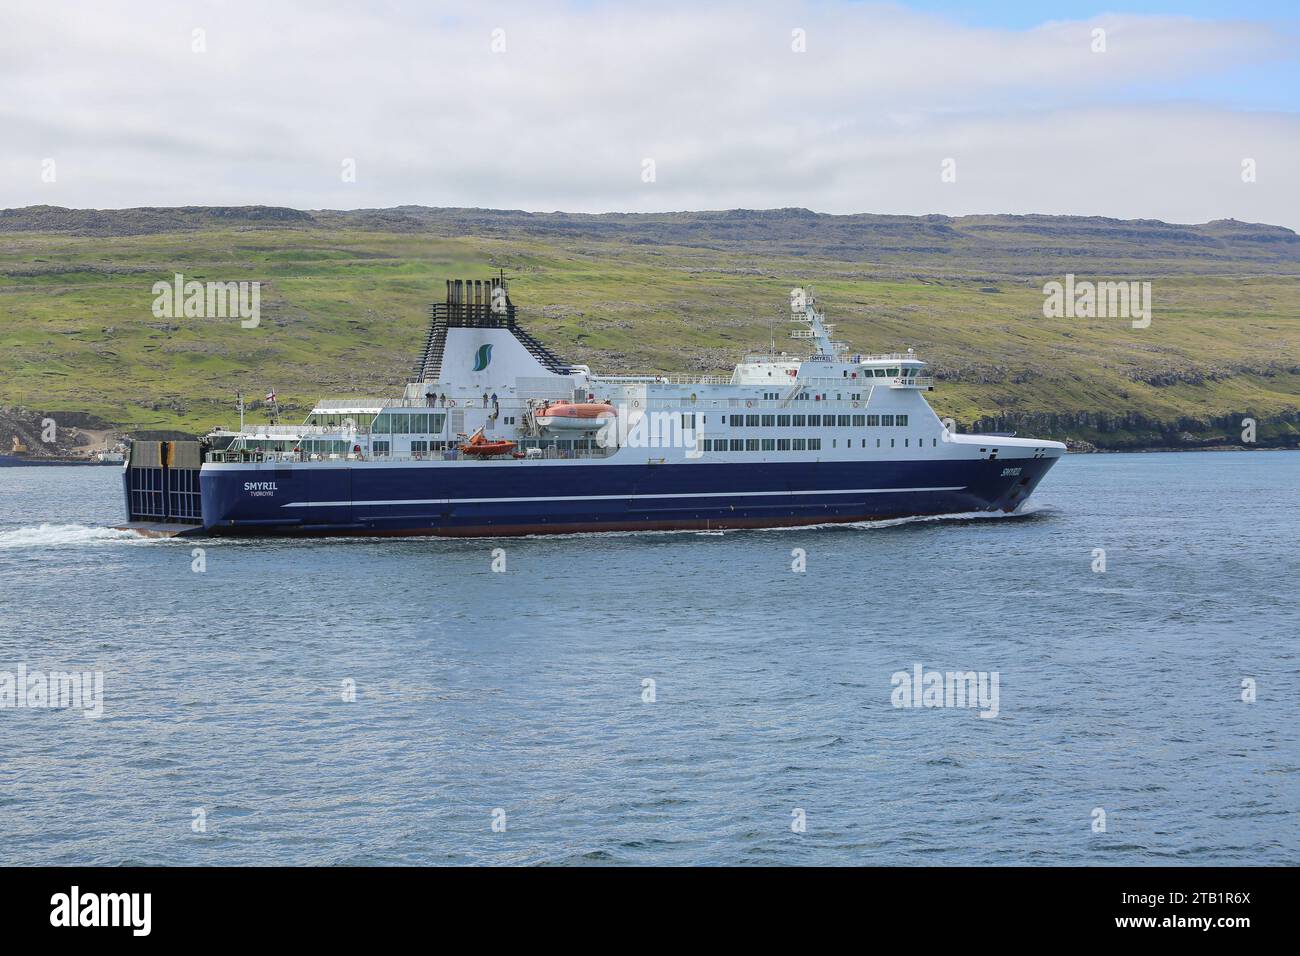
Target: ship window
<point>873,420</point>
<point>769,444</point>
<point>835,443</point>
<point>769,421</point>
<point>800,421</point>
<point>887,420</point>
<point>892,373</point>
<point>708,444</point>
<point>877,442</point>
<point>859,421</point>
<point>814,420</point>
<point>737,444</point>
<point>843,421</point>
<point>891,443</point>
<point>688,421</point>
<point>783,444</point>
<point>800,444</point>
<point>379,449</point>
<point>814,444</point>
<point>751,421</point>
<point>751,444</point>
<point>907,443</point>
<point>879,372</point>
<point>783,420</point>
<point>900,420</point>
<point>419,447</point>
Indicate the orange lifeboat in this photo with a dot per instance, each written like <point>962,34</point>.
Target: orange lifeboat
<point>575,416</point>
<point>480,447</point>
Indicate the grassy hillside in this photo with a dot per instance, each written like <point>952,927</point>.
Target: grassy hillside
<point>344,294</point>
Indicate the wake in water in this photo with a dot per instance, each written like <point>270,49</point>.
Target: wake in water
<point>1030,510</point>
<point>64,536</point>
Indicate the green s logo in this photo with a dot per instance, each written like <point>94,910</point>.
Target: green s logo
<point>482,357</point>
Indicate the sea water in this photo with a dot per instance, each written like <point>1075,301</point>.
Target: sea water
<point>669,698</point>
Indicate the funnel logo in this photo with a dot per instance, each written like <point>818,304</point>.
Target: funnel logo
<point>482,357</point>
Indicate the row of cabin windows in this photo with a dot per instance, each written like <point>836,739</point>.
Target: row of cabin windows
<point>798,444</point>
<point>762,444</point>
<point>382,449</point>
<point>804,397</point>
<point>408,423</point>
<point>820,397</point>
<point>804,421</point>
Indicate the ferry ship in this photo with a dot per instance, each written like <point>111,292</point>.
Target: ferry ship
<point>494,435</point>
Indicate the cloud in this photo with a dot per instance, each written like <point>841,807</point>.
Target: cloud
<point>564,116</point>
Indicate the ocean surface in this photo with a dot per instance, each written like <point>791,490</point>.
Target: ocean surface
<point>400,702</point>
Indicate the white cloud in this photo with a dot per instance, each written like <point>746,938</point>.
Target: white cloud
<point>1036,121</point>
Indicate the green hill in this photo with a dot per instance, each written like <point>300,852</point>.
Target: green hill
<point>344,297</point>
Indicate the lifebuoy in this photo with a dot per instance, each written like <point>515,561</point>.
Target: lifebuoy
<point>451,403</point>
<point>856,405</point>
<point>749,404</point>
<point>636,403</point>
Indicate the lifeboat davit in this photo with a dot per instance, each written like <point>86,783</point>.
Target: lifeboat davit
<point>480,447</point>
<point>575,416</point>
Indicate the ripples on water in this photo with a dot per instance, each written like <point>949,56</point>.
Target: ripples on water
<point>523,690</point>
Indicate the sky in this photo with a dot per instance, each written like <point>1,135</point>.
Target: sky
<point>1182,111</point>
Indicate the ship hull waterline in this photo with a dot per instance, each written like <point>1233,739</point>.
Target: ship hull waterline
<point>519,498</point>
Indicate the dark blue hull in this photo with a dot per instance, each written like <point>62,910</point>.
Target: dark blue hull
<point>513,498</point>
